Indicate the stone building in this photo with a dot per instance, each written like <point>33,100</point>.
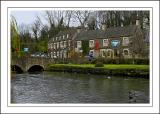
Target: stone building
<point>114,42</point>
<point>60,45</point>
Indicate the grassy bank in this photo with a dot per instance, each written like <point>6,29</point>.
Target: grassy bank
<point>108,69</point>
<point>106,66</point>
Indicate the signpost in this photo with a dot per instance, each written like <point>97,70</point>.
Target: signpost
<point>25,49</point>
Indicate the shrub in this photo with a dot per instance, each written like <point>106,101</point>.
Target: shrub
<point>99,64</point>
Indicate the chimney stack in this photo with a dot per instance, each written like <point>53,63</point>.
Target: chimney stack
<point>104,26</point>
<point>137,21</point>
<point>79,29</point>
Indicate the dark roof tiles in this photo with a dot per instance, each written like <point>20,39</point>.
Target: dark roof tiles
<point>109,33</point>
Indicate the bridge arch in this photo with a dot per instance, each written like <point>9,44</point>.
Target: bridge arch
<point>35,68</point>
<point>16,68</point>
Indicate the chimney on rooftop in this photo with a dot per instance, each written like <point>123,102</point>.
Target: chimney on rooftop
<point>104,26</point>
<point>137,21</point>
<point>79,28</point>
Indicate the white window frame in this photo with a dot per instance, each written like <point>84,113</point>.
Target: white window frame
<point>64,44</point>
<point>69,43</point>
<point>91,45</point>
<point>110,52</point>
<point>61,44</point>
<point>54,46</point>
<point>51,55</point>
<point>54,53</point>
<point>101,51</point>
<point>105,43</point>
<point>124,43</point>
<point>49,47</point>
<point>79,44</point>
<point>64,54</point>
<point>127,50</point>
<point>57,45</point>
<point>67,35</point>
<point>63,36</point>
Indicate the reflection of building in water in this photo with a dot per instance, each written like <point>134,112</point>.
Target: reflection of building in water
<point>115,42</point>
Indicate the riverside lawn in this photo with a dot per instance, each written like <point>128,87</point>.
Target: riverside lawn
<point>107,69</point>
<point>106,66</point>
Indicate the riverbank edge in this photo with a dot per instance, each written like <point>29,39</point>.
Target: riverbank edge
<point>130,72</point>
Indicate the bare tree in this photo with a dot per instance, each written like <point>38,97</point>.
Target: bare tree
<point>81,17</point>
<point>50,18</point>
<point>36,29</point>
<point>138,44</point>
<point>68,16</point>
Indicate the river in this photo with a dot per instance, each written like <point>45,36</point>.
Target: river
<point>60,87</point>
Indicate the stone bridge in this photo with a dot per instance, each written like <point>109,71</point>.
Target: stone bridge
<point>30,63</point>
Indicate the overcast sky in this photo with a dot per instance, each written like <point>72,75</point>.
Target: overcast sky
<point>27,17</point>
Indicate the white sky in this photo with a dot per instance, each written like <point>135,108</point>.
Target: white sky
<point>27,17</point>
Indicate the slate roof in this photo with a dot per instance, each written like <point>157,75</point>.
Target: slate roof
<point>71,32</point>
<point>109,33</point>
<point>113,32</point>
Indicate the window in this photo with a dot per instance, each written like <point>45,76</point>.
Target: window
<point>56,38</point>
<point>59,37</point>
<point>61,44</point>
<point>79,44</point>
<point>54,54</point>
<point>57,54</point>
<point>57,45</point>
<point>60,54</point>
<point>115,43</point>
<point>91,53</point>
<point>67,35</point>
<point>54,46</point>
<point>105,42</point>
<point>91,43</point>
<point>125,41</point>
<point>53,39</point>
<point>126,51</point>
<point>63,36</point>
<point>65,54</point>
<point>108,52</point>
<point>49,46</point>
<point>102,52</point>
<point>64,44</point>
<point>69,43</point>
<point>51,55</point>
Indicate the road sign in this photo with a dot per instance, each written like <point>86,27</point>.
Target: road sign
<point>25,49</point>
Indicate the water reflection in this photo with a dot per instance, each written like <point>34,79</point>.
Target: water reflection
<point>56,87</point>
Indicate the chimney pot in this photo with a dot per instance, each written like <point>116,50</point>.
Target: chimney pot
<point>104,26</point>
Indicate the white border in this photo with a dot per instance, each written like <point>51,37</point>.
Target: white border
<point>80,109</point>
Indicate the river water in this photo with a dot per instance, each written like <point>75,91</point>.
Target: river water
<point>60,87</point>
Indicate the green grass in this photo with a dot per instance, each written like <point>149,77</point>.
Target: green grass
<point>106,66</point>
